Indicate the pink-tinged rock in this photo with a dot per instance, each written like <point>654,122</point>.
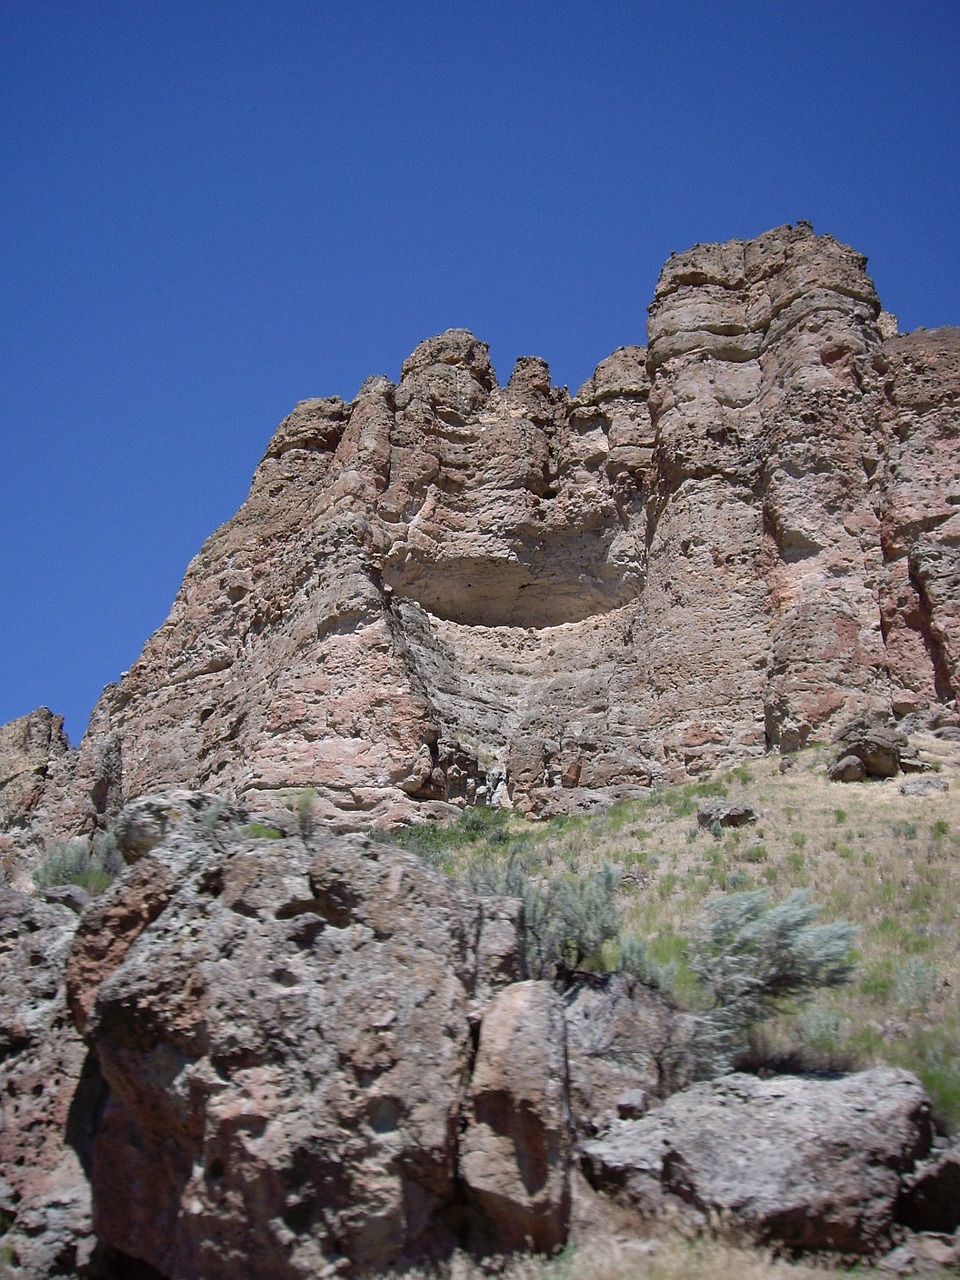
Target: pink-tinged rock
<point>448,591</point>
<point>515,1149</point>
<point>44,1196</point>
<point>282,1035</point>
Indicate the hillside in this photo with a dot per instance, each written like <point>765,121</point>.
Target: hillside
<point>368,928</point>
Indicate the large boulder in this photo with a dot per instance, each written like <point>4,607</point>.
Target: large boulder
<point>806,1163</point>
<point>283,1031</point>
<point>515,1150</point>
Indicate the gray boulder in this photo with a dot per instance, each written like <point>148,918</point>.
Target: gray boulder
<point>882,750</point>
<point>726,813</point>
<point>806,1163</point>
<point>284,1033</point>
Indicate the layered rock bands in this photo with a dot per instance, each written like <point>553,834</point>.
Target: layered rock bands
<point>453,591</point>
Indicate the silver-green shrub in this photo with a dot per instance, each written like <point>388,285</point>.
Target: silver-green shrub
<point>754,958</point>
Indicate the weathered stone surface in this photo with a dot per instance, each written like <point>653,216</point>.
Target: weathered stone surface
<point>282,1031</point>
<point>726,813</point>
<point>515,1150</point>
<point>847,769</point>
<point>622,1038</point>
<point>29,747</point>
<point>923,786</point>
<point>449,591</point>
<point>931,1197</point>
<point>882,750</point>
<point>44,1196</point>
<point>807,1163</point>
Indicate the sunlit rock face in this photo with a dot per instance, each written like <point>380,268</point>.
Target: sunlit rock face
<point>449,590</point>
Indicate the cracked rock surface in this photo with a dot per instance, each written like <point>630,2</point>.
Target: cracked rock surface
<point>451,590</point>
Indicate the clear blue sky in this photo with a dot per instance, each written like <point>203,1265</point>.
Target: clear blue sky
<point>209,210</point>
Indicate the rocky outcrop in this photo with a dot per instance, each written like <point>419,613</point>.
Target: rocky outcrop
<point>44,1197</point>
<point>282,1030</point>
<point>450,591</point>
<point>865,750</point>
<point>309,1055</point>
<point>29,748</point>
<point>811,1164</point>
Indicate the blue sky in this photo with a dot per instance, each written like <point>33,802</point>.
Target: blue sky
<point>211,210</point>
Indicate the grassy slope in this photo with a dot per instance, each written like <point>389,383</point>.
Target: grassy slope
<point>887,862</point>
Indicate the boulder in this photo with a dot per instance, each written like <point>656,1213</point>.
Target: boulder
<point>726,813</point>
<point>515,1150</point>
<point>281,1031</point>
<point>923,786</point>
<point>881,749</point>
<point>847,769</point>
<point>804,1163</point>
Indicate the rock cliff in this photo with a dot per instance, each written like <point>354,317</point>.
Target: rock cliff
<point>449,590</point>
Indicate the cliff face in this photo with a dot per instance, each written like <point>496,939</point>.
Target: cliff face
<point>453,590</point>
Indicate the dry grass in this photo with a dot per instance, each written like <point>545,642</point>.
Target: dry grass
<point>889,863</point>
<point>672,1258</point>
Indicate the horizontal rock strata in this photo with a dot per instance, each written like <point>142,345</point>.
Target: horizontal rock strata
<point>450,591</point>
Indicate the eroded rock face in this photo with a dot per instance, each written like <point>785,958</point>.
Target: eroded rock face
<point>283,1032</point>
<point>812,1164</point>
<point>29,747</point>
<point>449,590</point>
<point>44,1197</point>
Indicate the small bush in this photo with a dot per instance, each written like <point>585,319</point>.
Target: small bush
<point>754,853</point>
<point>753,959</point>
<point>76,862</point>
<point>915,984</point>
<point>260,831</point>
<point>569,922</point>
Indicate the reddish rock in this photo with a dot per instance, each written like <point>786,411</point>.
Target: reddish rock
<point>449,591</point>
<point>282,1035</point>
<point>44,1197</point>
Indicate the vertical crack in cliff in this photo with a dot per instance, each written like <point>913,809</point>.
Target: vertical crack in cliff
<point>932,640</point>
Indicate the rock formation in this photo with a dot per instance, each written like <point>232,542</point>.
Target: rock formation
<point>449,590</point>
<point>749,1153</point>
<point>43,1192</point>
<point>308,1056</point>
